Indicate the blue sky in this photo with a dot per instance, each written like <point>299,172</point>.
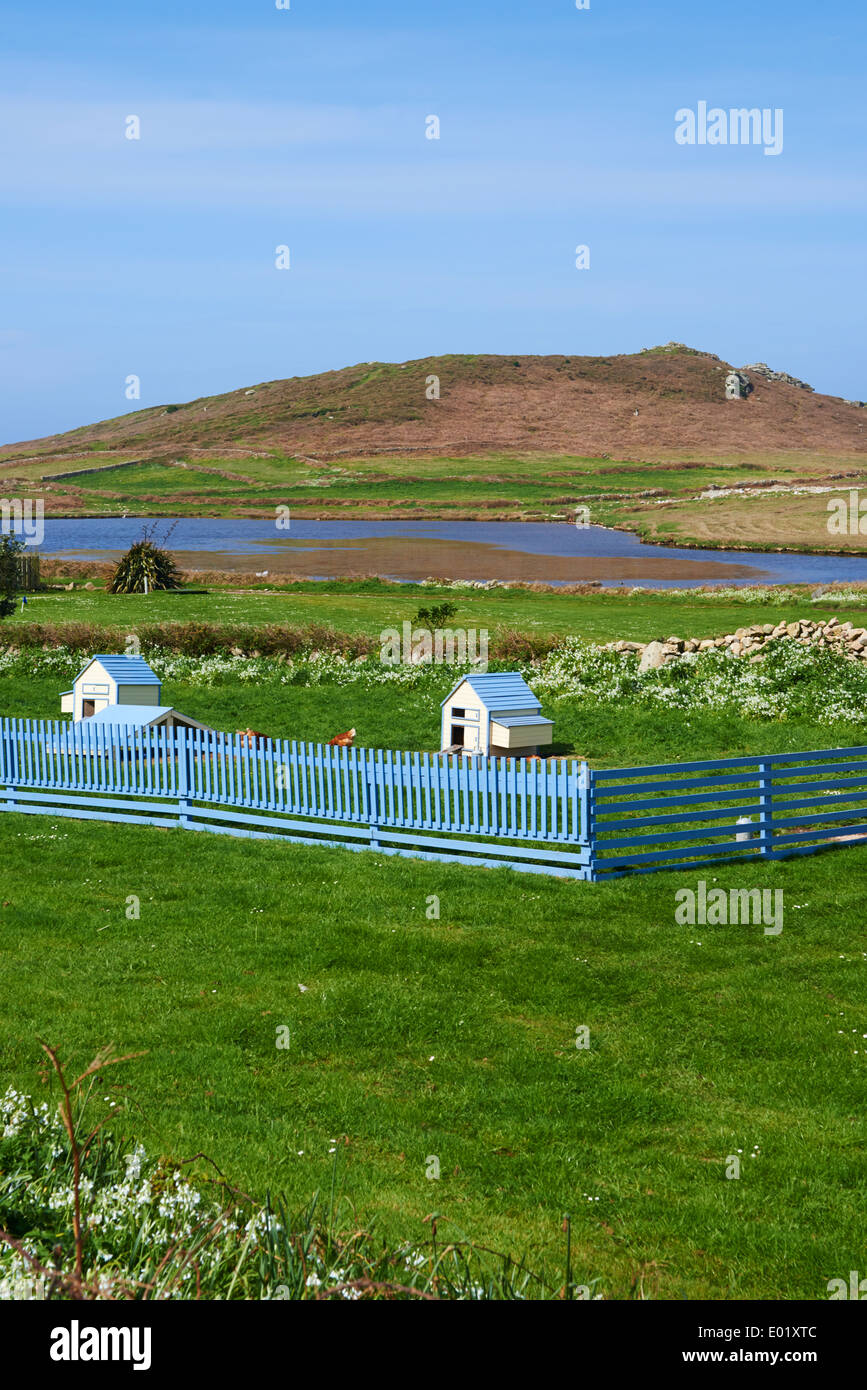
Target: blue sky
<point>306,127</point>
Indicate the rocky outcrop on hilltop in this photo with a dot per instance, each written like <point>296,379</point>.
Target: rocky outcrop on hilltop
<point>763,370</point>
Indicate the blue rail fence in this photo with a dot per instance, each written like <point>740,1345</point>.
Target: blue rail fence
<point>558,817</point>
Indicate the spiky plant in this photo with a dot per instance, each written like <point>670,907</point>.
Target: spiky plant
<point>144,561</point>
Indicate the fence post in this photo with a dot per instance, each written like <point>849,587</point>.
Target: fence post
<point>585,834</point>
<point>182,749</point>
<point>766,805</point>
<point>7,770</point>
<point>372,798</point>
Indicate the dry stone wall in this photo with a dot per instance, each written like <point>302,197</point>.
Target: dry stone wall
<point>752,642</point>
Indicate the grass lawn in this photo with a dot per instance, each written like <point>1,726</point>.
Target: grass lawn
<point>456,1038</point>
<point>599,618</point>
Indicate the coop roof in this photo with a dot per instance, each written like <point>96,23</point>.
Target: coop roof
<point>129,714</point>
<point>506,690</point>
<point>114,718</point>
<point>127,670</point>
<point>520,721</point>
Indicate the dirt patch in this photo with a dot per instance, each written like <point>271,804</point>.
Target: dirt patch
<point>765,521</point>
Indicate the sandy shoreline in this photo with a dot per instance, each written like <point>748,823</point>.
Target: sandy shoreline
<point>416,558</point>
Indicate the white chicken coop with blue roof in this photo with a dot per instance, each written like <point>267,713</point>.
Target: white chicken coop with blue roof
<point>111,680</point>
<point>495,715</point>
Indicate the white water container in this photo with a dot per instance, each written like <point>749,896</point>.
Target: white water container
<point>744,835</point>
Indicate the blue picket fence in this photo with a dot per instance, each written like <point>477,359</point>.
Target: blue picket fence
<point>558,817</point>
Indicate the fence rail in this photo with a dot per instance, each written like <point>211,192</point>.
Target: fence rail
<point>768,806</point>
<point>558,817</point>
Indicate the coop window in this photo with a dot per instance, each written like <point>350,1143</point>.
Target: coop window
<point>459,714</point>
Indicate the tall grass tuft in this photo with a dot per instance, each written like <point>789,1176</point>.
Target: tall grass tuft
<point>85,1214</point>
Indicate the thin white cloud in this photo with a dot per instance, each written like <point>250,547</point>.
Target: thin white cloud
<point>362,162</point>
<point>419,188</point>
<point>30,126</point>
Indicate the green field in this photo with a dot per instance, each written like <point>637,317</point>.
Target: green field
<point>456,1038</point>
<point>656,500</point>
<point>369,608</point>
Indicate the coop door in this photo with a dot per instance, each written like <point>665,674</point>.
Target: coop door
<point>471,739</point>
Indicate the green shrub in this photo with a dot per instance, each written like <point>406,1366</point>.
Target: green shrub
<point>10,550</point>
<point>436,616</point>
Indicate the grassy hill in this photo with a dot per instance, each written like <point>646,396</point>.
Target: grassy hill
<point>646,404</point>
<point>638,438</point>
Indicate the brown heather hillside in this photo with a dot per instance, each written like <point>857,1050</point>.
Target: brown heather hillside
<point>663,403</point>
